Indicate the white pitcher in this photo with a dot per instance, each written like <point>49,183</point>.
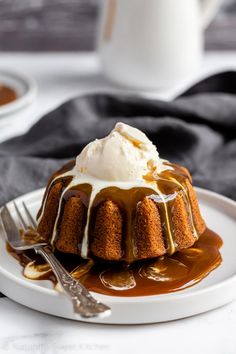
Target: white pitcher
<point>152,43</point>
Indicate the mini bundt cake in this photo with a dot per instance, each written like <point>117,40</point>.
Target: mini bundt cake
<point>147,210</point>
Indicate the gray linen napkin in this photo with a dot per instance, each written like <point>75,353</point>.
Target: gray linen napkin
<point>197,130</point>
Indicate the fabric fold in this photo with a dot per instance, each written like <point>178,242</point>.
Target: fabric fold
<point>197,130</point>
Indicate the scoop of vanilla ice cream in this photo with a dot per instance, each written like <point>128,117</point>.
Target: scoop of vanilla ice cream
<point>126,154</point>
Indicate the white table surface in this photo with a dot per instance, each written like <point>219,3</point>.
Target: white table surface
<point>60,77</point>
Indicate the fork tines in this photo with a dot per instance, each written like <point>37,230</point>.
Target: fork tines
<point>25,222</point>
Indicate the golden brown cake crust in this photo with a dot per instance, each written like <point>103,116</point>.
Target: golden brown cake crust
<point>109,237</point>
<point>71,228</point>
<point>181,223</point>
<point>198,220</point>
<point>106,240</point>
<point>149,241</point>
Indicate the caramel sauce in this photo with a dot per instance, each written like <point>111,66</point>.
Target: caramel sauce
<point>7,94</point>
<point>83,191</point>
<point>170,273</point>
<point>164,189</point>
<point>169,184</point>
<point>150,277</point>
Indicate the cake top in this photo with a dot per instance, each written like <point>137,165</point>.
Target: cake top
<point>126,154</point>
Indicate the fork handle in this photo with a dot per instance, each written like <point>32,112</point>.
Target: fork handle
<point>83,302</point>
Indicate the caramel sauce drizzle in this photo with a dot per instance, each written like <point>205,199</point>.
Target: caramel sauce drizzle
<point>174,176</point>
<point>148,277</point>
<point>163,189</point>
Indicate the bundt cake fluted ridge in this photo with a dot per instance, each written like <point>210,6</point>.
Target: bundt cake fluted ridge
<point>107,230</point>
<point>118,201</point>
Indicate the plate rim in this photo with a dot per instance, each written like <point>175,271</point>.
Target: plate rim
<point>175,296</point>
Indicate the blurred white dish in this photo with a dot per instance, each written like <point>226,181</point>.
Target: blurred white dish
<point>24,86</point>
<point>153,44</point>
<point>215,290</point>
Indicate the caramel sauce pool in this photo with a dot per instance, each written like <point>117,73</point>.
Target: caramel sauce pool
<point>7,94</point>
<point>150,277</point>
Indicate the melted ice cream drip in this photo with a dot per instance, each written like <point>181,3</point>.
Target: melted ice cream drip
<point>122,279</point>
<point>97,186</point>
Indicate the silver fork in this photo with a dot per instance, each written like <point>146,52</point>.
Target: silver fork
<point>83,302</point>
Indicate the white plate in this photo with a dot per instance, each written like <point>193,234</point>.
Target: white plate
<point>25,87</point>
<point>215,290</point>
